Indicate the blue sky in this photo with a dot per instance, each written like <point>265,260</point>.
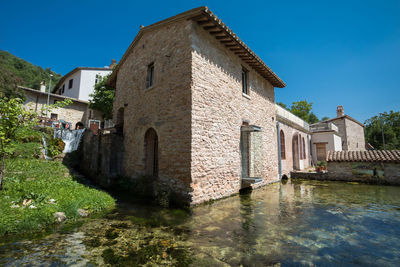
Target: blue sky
<point>328,52</point>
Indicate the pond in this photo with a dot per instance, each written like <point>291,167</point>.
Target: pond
<point>298,223</point>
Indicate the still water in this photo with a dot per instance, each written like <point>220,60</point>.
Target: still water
<point>299,223</point>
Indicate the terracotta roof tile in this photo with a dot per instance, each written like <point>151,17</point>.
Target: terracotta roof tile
<point>365,156</point>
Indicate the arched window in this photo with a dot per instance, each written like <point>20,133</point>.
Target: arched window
<point>282,140</point>
<point>304,148</point>
<point>151,152</point>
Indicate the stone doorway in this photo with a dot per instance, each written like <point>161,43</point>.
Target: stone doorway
<point>151,149</point>
<point>296,152</point>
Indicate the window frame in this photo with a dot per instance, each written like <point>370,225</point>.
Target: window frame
<point>70,83</point>
<point>283,145</point>
<point>150,75</point>
<point>245,81</point>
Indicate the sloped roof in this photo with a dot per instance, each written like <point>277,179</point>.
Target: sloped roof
<point>364,156</point>
<point>215,27</point>
<point>62,80</point>
<point>37,92</point>
<point>342,117</point>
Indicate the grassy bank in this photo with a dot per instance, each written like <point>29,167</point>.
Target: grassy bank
<point>36,189</point>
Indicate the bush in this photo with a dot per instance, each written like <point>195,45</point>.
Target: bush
<point>26,150</point>
<point>28,135</point>
<point>37,182</point>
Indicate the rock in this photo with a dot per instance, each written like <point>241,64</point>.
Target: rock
<point>32,207</point>
<point>83,213</point>
<point>52,201</point>
<point>60,216</point>
<point>13,206</point>
<point>30,179</point>
<point>27,202</point>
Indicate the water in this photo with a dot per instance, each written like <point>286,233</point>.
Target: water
<point>71,138</point>
<point>300,223</point>
<point>45,150</point>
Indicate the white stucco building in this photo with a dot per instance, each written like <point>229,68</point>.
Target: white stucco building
<point>325,137</point>
<point>79,83</point>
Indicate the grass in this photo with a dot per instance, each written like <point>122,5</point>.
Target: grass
<point>47,187</point>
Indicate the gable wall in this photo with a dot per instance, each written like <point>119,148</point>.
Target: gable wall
<point>355,136</point>
<point>219,108</point>
<point>166,106</point>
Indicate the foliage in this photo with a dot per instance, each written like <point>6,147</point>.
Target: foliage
<point>13,119</point>
<point>28,150</point>
<point>324,118</point>
<point>283,105</point>
<point>312,118</point>
<point>15,71</point>
<point>49,188</point>
<point>391,129</point>
<point>102,98</point>
<point>301,109</point>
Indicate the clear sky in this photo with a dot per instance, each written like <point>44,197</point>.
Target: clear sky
<point>328,52</point>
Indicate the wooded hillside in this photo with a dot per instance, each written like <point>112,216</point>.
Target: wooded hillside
<point>15,71</point>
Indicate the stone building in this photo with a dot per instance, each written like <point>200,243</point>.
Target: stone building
<point>350,130</point>
<point>78,111</point>
<point>196,108</point>
<point>377,166</point>
<point>294,141</point>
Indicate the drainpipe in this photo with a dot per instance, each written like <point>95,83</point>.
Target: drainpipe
<point>279,149</point>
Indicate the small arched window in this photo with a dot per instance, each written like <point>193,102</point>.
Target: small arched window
<point>282,141</point>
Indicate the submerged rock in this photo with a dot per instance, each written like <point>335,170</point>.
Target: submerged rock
<point>83,213</point>
<point>60,216</point>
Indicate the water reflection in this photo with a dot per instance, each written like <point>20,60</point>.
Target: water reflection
<point>297,223</point>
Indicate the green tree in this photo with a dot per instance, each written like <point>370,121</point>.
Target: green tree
<point>15,71</point>
<point>324,118</point>
<point>301,109</point>
<point>391,129</point>
<point>14,116</point>
<point>312,118</point>
<point>102,98</point>
<point>283,105</point>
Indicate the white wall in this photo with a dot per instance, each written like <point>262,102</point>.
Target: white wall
<point>87,82</point>
<point>74,91</point>
<point>334,142</point>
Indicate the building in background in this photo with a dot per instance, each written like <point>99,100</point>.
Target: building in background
<point>340,133</point>
<point>325,137</point>
<point>294,137</point>
<point>78,111</point>
<point>79,83</point>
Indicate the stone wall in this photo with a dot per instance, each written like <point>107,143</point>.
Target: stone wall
<point>287,163</point>
<point>76,112</point>
<point>218,110</point>
<point>165,107</point>
<point>355,136</point>
<point>102,157</point>
<point>352,134</point>
<point>365,172</point>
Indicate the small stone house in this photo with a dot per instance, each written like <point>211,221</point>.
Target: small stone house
<point>350,130</point>
<point>78,111</point>
<point>371,166</point>
<point>196,108</point>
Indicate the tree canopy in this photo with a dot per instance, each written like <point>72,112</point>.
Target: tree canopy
<point>390,122</point>
<point>102,98</point>
<point>302,109</point>
<point>15,71</point>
